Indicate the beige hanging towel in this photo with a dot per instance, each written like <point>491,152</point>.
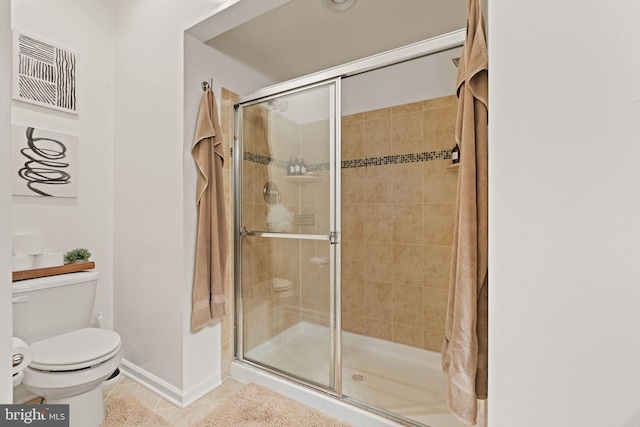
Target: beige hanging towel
<point>464,352</point>
<point>211,240</point>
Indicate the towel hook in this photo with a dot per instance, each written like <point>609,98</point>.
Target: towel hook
<point>207,85</point>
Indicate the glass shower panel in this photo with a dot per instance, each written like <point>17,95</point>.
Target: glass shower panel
<point>286,225</point>
<point>286,307</point>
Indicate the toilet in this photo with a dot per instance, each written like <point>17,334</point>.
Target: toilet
<point>70,359</point>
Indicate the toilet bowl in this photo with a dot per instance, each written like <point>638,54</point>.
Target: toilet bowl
<point>69,369</point>
<point>70,359</point>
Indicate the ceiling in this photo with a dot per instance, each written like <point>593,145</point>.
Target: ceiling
<point>304,36</point>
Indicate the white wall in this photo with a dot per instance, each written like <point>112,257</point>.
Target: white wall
<point>202,63</point>
<point>423,78</point>
<point>152,288</point>
<point>564,214</point>
<point>6,391</point>
<point>88,29</point>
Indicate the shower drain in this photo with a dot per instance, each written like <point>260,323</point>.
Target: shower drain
<point>358,377</point>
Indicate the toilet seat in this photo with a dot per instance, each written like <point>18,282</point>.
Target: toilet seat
<point>75,350</point>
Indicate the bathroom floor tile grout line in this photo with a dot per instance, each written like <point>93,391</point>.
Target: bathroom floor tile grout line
<point>172,414</point>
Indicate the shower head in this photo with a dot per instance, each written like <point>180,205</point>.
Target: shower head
<point>276,104</point>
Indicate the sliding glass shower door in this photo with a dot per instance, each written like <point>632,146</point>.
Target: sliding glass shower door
<point>287,251</point>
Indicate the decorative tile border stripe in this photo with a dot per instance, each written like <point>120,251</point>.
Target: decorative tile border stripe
<point>397,159</point>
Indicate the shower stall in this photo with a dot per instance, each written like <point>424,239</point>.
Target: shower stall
<point>344,204</point>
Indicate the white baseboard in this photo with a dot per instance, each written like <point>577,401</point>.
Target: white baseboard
<point>195,393</point>
<point>169,392</point>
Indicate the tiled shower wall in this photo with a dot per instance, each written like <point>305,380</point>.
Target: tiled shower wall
<point>397,221</point>
<point>398,203</point>
<point>270,140</point>
<point>227,100</point>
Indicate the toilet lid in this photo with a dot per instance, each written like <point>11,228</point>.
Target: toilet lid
<point>75,350</point>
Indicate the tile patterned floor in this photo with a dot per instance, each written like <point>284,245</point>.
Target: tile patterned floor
<point>177,417</point>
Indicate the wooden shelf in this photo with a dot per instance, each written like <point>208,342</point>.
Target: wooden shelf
<point>52,271</point>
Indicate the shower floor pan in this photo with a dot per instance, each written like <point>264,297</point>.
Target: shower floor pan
<point>400,379</point>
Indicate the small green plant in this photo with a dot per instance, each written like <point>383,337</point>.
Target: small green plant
<point>77,254</point>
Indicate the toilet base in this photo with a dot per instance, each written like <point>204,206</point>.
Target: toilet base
<point>85,409</point>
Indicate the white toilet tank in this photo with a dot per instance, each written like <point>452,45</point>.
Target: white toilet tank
<point>50,306</point>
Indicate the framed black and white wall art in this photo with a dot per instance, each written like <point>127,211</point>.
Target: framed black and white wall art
<point>44,163</point>
<point>44,74</point>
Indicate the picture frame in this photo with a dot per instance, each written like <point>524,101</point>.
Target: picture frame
<point>44,163</point>
<point>44,74</point>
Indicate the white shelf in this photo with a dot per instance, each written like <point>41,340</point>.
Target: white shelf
<point>303,179</point>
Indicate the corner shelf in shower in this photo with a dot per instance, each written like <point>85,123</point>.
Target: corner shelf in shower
<point>303,179</point>
<point>453,167</point>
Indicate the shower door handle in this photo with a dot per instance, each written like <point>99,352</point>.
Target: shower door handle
<point>331,237</point>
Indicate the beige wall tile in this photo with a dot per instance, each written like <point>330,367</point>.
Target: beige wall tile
<point>226,115</point>
<point>408,305</point>
<point>438,223</point>
<point>408,223</point>
<point>437,266</point>
<point>406,108</point>
<point>259,215</point>
<point>353,141</point>
<point>440,184</point>
<point>443,101</point>
<point>408,181</point>
<point>353,323</point>
<point>263,267</point>
<point>261,176</point>
<point>226,144</point>
<point>375,114</point>
<point>378,223</point>
<point>408,264</point>
<point>378,300</point>
<point>352,118</point>
<point>378,184</point>
<point>421,210</point>
<point>314,145</point>
<point>353,222</point>
<point>378,328</point>
<point>353,185</point>
<point>247,182</point>
<point>226,358</point>
<point>435,308</point>
<point>247,216</point>
<point>408,335</point>
<point>378,262</point>
<point>377,137</point>
<point>439,128</point>
<point>353,255</point>
<point>433,340</point>
<point>308,193</point>
<point>353,296</point>
<point>406,134</point>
